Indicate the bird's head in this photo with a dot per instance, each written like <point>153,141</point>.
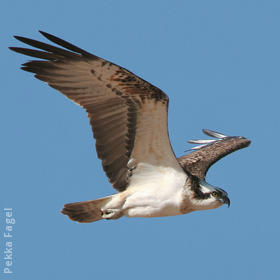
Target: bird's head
<point>206,196</point>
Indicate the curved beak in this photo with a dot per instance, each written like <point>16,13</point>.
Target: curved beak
<point>226,201</point>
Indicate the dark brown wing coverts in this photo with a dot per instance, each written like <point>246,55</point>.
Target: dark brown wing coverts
<point>197,163</point>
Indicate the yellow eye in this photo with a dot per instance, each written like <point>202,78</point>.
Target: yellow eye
<point>214,194</point>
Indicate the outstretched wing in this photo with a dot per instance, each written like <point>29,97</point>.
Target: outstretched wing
<point>208,152</point>
<point>127,114</point>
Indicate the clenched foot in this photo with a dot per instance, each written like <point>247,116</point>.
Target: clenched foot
<point>111,213</point>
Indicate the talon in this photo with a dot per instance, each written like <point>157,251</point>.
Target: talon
<point>110,213</point>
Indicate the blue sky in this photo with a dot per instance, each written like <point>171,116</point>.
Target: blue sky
<point>219,63</point>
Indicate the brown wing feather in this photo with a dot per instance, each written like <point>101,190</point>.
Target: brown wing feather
<point>197,163</point>
<point>109,93</point>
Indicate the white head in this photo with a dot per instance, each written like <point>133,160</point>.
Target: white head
<point>206,196</point>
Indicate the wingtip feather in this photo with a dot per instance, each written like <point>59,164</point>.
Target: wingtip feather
<point>213,133</point>
<point>206,141</point>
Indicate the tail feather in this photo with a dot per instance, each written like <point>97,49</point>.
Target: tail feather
<point>85,211</point>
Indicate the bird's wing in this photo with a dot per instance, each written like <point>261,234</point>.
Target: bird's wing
<point>128,115</point>
<point>208,152</point>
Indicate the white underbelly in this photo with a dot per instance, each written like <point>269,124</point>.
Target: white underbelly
<point>155,196</point>
<point>164,208</point>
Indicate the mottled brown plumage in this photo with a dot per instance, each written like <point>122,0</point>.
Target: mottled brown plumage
<point>110,94</point>
<point>197,163</point>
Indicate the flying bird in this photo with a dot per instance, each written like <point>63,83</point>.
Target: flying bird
<point>129,119</point>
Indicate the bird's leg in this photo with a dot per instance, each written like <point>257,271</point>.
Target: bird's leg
<point>114,208</point>
<point>111,213</point>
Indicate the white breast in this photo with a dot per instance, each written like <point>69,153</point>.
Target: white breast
<point>155,191</point>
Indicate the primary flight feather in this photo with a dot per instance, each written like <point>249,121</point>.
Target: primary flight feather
<point>129,119</point>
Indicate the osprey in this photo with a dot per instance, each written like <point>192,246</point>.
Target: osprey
<point>128,117</point>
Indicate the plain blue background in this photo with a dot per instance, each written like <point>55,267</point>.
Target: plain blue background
<point>219,63</point>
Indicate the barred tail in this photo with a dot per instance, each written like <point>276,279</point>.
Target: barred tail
<point>85,211</point>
